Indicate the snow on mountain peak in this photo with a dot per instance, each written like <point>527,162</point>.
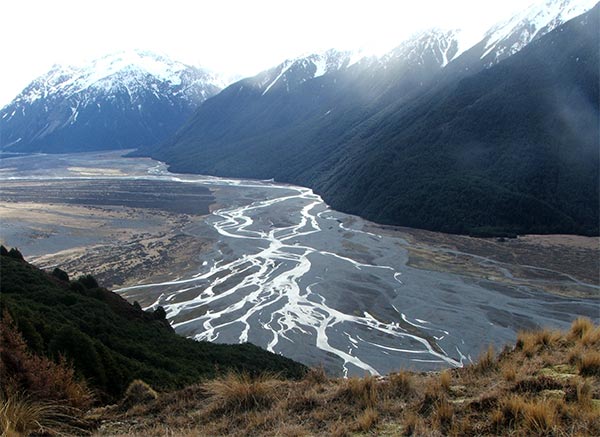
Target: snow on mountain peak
<point>507,38</point>
<point>131,69</point>
<point>442,44</point>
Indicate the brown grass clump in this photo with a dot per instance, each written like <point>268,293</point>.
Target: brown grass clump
<point>401,384</point>
<point>584,395</point>
<point>367,420</point>
<point>540,417</point>
<point>445,380</point>
<point>433,394</point>
<point>443,415</point>
<point>237,392</point>
<point>316,375</point>
<point>360,391</point>
<point>589,364</point>
<point>591,337</point>
<point>486,361</point>
<point>138,393</point>
<point>579,327</point>
<point>20,416</point>
<point>509,373</point>
<point>411,423</point>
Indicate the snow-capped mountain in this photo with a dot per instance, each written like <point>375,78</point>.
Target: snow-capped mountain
<point>122,100</point>
<point>293,72</point>
<point>435,46</point>
<point>509,37</point>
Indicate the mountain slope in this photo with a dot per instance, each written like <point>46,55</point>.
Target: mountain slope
<point>296,114</point>
<point>111,342</point>
<point>513,148</point>
<point>436,137</point>
<point>123,100</point>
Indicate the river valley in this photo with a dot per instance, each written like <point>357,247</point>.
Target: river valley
<point>243,260</point>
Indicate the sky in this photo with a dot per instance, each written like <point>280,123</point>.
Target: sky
<point>233,37</point>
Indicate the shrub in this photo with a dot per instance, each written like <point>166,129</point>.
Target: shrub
<point>60,274</point>
<point>138,392</point>
<point>88,281</point>
<point>20,371</point>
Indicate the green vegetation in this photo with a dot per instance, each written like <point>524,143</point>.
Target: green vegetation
<point>512,149</point>
<point>110,342</point>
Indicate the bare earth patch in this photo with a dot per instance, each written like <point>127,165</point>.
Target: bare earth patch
<point>565,265</point>
<point>119,252</point>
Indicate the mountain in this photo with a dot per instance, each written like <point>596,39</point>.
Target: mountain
<point>123,100</point>
<point>299,108</point>
<point>484,140</point>
<point>510,149</point>
<point>109,341</point>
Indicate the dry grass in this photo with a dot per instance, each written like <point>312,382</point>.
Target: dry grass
<point>540,418</point>
<point>138,392</point>
<point>367,420</point>
<point>237,392</point>
<point>21,416</point>
<point>445,380</point>
<point>591,337</point>
<point>486,361</point>
<point>363,392</point>
<point>515,393</point>
<point>589,364</point>
<point>401,384</point>
<point>580,327</point>
<point>443,416</point>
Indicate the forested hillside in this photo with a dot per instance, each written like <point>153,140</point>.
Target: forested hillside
<point>508,149</point>
<point>109,341</point>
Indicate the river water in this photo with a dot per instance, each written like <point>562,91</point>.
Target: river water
<point>288,273</point>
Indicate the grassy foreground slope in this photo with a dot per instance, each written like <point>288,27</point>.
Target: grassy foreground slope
<point>548,384</point>
<point>111,342</point>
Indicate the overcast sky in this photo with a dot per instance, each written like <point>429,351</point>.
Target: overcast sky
<point>229,36</point>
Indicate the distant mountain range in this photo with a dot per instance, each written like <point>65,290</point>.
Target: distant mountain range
<point>123,100</point>
<point>489,137</point>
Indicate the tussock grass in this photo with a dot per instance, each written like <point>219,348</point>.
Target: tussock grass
<point>445,380</point>
<point>589,364</point>
<point>509,373</point>
<point>21,415</point>
<point>401,384</point>
<point>486,361</point>
<point>237,392</point>
<point>540,417</point>
<point>591,337</point>
<point>579,327</point>
<point>443,415</point>
<point>363,392</point>
<point>138,392</point>
<point>511,394</point>
<point>367,420</point>
<point>411,424</point>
